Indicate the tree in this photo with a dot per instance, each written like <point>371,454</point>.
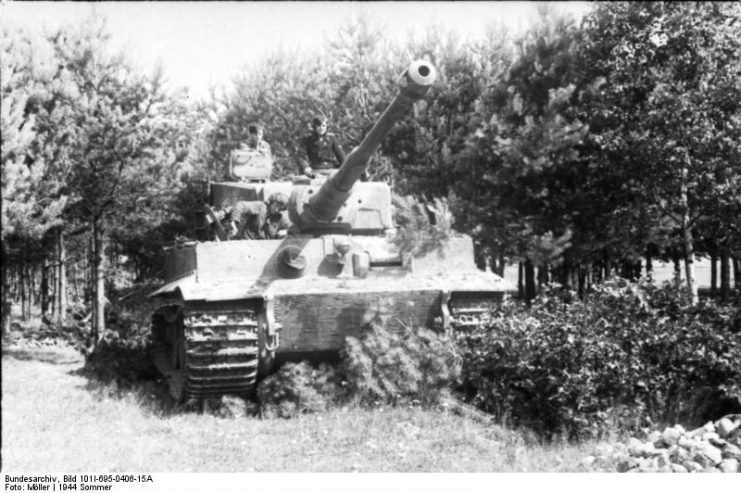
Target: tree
<point>666,118</point>
<point>32,197</point>
<point>125,146</point>
<point>519,152</point>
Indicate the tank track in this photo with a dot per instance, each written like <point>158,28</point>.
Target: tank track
<point>218,352</point>
<point>470,313</point>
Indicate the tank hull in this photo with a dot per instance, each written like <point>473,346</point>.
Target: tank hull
<point>292,320</point>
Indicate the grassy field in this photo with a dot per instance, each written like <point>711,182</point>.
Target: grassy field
<point>56,419</point>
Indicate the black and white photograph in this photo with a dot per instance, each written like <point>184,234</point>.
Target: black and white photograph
<point>370,239</point>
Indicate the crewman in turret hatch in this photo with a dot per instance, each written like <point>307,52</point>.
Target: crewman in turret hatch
<point>320,150</point>
<point>254,150</point>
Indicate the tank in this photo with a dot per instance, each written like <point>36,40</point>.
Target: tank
<point>231,311</point>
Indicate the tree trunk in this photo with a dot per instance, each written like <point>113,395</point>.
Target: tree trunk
<point>649,264</point>
<point>98,256</point>
<point>677,269</point>
<point>529,281</point>
<point>501,266</point>
<point>725,275</point>
<point>543,276</point>
<point>713,274</point>
<point>582,280</point>
<point>62,301</point>
<point>7,305</point>
<point>45,285</point>
<point>33,297</point>
<point>75,285</point>
<point>89,270</point>
<point>566,273</point>
<point>24,291</point>
<point>737,274</point>
<point>521,280</point>
<point>689,252</point>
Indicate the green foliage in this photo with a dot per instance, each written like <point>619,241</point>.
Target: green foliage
<point>421,228</point>
<point>32,196</point>
<point>411,366</point>
<point>627,356</point>
<point>414,366</point>
<point>122,358</point>
<point>520,147</point>
<point>657,98</point>
<point>298,388</point>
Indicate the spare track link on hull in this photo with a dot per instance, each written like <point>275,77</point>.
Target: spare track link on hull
<point>218,352</point>
<point>470,313</point>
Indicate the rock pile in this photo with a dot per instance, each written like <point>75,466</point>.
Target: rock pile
<point>715,447</point>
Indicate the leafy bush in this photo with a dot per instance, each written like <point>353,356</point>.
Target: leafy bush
<point>627,356</point>
<point>421,227</point>
<point>298,388</point>
<point>380,367</point>
<point>413,365</point>
<point>122,358</point>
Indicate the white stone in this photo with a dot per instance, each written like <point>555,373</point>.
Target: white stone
<point>635,447</point>
<point>692,466</point>
<point>725,427</point>
<point>588,461</point>
<point>628,464</point>
<point>686,442</point>
<point>729,465</point>
<point>654,436</point>
<point>710,436</point>
<point>663,460</point>
<point>732,452</point>
<point>672,435</point>
<point>647,464</point>
<point>707,454</point>
<point>679,454</point>
<point>604,450</point>
<point>678,468</point>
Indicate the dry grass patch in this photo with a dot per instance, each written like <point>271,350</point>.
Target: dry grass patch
<point>56,419</point>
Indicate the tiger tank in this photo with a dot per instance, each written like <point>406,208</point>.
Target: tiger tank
<point>230,312</point>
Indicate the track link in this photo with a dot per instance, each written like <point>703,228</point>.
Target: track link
<point>470,313</point>
<point>221,352</point>
<point>210,352</point>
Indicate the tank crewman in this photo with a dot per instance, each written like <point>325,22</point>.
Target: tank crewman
<point>255,145</point>
<point>253,220</point>
<point>320,149</point>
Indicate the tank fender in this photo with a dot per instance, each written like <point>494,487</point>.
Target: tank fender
<point>271,327</point>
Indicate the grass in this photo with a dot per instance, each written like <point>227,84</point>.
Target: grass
<point>56,419</point>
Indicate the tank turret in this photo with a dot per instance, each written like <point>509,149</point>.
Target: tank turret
<point>310,210</point>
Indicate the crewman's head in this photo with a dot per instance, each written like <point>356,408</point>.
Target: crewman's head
<point>255,132</point>
<point>319,124</point>
<point>277,203</point>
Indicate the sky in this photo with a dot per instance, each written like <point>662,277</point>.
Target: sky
<point>205,44</point>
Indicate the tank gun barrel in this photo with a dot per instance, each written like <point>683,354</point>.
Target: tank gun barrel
<point>326,203</point>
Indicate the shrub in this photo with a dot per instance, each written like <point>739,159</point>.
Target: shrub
<point>298,388</point>
<point>380,367</point>
<point>628,355</point>
<point>123,359</point>
<point>413,365</point>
